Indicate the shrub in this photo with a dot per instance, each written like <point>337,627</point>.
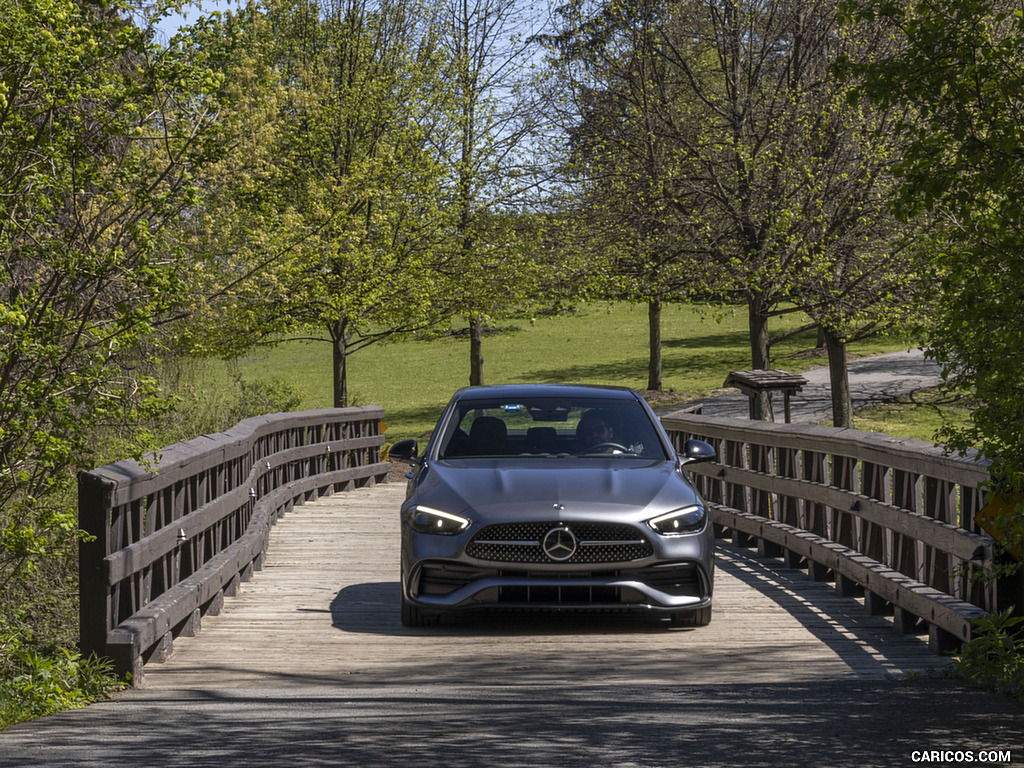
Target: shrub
<point>36,682</point>
<point>994,658</point>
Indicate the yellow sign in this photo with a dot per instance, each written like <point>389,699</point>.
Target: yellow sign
<point>995,518</point>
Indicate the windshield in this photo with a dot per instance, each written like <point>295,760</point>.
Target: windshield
<point>548,427</point>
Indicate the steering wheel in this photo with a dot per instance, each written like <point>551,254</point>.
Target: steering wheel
<point>617,447</point>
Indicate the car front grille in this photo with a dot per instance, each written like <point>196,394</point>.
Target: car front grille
<point>596,543</point>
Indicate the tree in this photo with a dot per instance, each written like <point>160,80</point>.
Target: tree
<point>774,176</point>
<point>958,66</point>
<point>337,190</point>
<point>617,161</point>
<point>861,273</point>
<point>100,133</point>
<point>488,114</point>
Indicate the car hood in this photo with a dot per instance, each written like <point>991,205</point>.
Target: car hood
<point>559,489</point>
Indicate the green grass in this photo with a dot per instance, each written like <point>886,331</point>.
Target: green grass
<point>918,415</point>
<point>598,344</point>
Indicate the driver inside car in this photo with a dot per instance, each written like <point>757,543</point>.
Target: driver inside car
<point>595,433</point>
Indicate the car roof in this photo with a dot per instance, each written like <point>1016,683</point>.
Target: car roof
<point>545,390</point>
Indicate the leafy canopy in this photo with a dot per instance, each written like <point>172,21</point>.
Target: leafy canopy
<point>99,134</point>
<point>960,68</point>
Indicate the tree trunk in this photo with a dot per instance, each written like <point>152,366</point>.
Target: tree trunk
<point>340,337</point>
<point>760,354</point>
<point>654,345</point>
<point>476,353</point>
<point>839,377</point>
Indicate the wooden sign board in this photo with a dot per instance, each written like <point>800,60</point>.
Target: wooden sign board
<point>994,518</point>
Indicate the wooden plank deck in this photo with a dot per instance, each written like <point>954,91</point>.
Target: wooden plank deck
<point>325,610</point>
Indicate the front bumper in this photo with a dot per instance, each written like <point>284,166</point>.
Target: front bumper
<point>669,587</point>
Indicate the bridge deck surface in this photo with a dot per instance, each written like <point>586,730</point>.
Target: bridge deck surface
<point>325,609</point>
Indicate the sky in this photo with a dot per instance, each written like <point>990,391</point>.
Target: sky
<point>190,12</point>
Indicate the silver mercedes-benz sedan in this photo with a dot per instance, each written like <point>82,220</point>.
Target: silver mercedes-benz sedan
<point>553,497</point>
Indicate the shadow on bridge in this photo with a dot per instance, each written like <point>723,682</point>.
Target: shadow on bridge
<point>522,690</point>
<point>867,645</point>
<point>864,642</point>
<point>374,609</point>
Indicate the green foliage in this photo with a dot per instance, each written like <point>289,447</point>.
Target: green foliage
<point>37,682</point>
<point>101,133</point>
<point>628,214</point>
<point>202,406</point>
<point>718,154</point>
<point>326,212</point>
<point>978,339</point>
<point>41,678</point>
<point>959,67</point>
<point>994,658</point>
<point>96,156</point>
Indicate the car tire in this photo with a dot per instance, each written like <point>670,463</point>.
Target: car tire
<point>698,618</point>
<point>413,616</point>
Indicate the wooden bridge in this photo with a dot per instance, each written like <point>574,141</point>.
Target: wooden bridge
<point>847,556</point>
<point>324,609</point>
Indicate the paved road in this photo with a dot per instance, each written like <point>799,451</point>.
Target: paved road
<point>849,724</point>
<point>873,380</point>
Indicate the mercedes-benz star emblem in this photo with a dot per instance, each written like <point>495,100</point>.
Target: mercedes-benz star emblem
<point>559,544</point>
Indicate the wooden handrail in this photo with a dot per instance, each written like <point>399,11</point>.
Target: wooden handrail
<point>890,517</point>
<point>168,539</point>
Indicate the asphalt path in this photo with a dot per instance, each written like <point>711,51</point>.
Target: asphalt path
<point>848,723</point>
<point>873,380</point>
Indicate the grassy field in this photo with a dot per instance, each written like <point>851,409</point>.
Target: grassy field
<point>918,415</point>
<point>596,344</point>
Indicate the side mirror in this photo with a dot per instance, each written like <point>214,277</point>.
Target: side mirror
<point>695,451</point>
<point>404,450</point>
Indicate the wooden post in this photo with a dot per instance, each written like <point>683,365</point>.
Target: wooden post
<point>876,605</point>
<point>94,495</point>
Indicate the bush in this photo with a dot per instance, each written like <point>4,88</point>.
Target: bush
<point>42,677</point>
<point>994,658</point>
<point>35,682</point>
<point>203,407</point>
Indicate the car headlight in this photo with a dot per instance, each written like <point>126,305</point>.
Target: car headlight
<point>680,521</point>
<point>428,520</point>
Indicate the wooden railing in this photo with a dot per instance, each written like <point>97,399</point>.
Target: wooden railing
<point>891,518</point>
<point>170,540</point>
